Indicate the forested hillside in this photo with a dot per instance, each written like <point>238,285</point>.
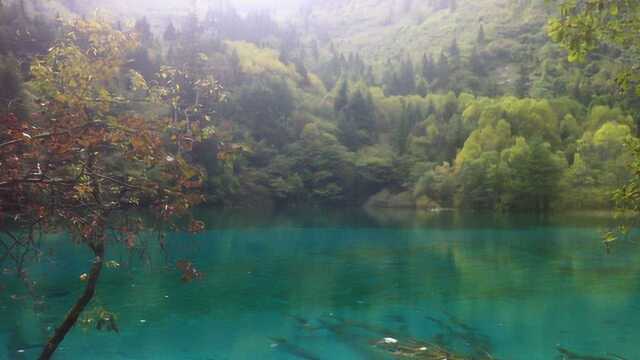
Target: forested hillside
<point>427,104</point>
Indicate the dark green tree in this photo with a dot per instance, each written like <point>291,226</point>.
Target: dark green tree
<point>315,52</point>
<point>428,68</point>
<point>443,71</point>
<point>408,120</point>
<point>357,121</point>
<point>523,81</point>
<point>170,33</point>
<point>481,41</point>
<point>142,62</point>
<point>476,63</point>
<point>235,68</point>
<point>342,98</point>
<point>369,77</point>
<point>144,30</point>
<point>543,174</point>
<point>265,106</point>
<point>302,71</point>
<point>406,78</point>
<point>454,52</point>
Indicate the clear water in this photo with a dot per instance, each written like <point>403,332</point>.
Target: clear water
<point>327,284</point>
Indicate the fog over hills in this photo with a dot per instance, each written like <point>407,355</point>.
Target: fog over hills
<point>376,29</point>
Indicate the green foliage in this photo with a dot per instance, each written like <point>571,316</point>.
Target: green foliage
<point>408,120</point>
<point>254,61</point>
<point>356,121</point>
<point>532,174</point>
<point>85,156</point>
<point>438,183</point>
<point>535,149</point>
<point>265,105</point>
<point>323,164</point>
<point>585,26</point>
<point>401,81</point>
<point>427,119</point>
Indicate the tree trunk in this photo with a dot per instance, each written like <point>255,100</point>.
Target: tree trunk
<point>78,307</point>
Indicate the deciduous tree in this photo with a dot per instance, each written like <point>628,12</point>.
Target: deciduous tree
<point>79,167</point>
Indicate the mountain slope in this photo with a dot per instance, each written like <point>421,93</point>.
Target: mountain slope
<point>383,29</point>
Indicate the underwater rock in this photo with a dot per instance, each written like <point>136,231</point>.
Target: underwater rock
<point>390,342</point>
<point>408,348</point>
<point>456,334</point>
<point>57,294</point>
<point>303,323</point>
<point>566,354</point>
<point>291,349</point>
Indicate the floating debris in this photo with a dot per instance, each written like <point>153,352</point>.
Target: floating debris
<point>390,340</point>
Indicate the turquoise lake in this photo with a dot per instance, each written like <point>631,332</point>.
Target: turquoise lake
<point>327,284</point>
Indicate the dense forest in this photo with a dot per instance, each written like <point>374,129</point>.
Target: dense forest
<point>489,115</point>
<point>133,123</point>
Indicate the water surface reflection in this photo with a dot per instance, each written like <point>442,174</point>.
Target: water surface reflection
<point>334,284</point>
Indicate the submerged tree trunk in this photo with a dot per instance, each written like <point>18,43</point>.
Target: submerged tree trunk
<point>78,307</point>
